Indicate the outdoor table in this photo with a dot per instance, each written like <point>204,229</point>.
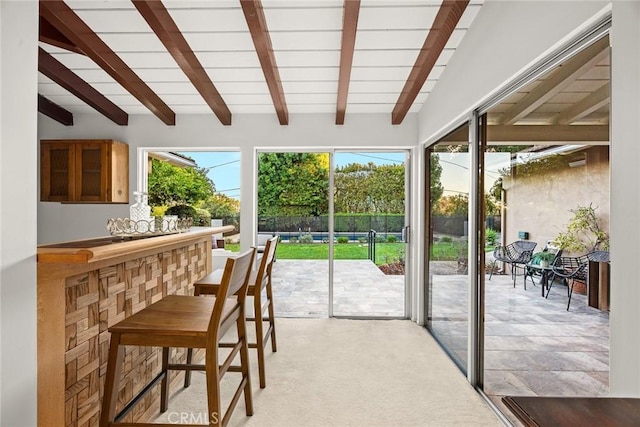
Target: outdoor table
<point>544,273</point>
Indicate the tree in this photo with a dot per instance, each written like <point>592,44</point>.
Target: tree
<point>220,206</point>
<point>435,169</point>
<point>293,184</point>
<point>170,185</point>
<point>369,188</point>
<point>584,232</point>
<point>457,205</point>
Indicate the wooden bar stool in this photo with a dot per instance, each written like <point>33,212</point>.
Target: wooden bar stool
<point>260,280</point>
<point>186,321</point>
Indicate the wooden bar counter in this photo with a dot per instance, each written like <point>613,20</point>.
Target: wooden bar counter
<point>84,287</point>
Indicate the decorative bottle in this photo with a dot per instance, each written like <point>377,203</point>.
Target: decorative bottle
<point>140,214</point>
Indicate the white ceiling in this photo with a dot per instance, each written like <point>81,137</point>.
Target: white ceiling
<point>306,38</point>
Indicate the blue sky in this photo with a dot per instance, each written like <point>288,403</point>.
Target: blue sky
<point>225,165</point>
<point>224,169</point>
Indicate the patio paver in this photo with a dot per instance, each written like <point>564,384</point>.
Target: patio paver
<point>301,289</point>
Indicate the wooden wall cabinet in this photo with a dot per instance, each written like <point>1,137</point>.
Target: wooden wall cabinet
<point>84,171</point>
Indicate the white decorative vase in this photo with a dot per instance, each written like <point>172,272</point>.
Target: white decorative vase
<point>140,214</point>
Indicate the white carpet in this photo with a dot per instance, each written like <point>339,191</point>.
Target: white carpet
<point>331,372</point>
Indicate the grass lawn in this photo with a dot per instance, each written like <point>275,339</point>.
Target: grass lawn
<point>385,252</point>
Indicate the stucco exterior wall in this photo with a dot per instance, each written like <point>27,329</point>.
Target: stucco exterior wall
<point>540,203</point>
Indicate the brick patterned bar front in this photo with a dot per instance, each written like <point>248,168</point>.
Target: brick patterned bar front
<point>93,300</point>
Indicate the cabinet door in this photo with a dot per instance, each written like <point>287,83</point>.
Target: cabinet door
<point>91,171</point>
<point>57,180</point>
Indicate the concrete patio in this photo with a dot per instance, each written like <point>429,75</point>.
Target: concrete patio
<point>301,289</point>
<point>533,345</point>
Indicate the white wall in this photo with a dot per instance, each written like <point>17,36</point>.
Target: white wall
<point>625,200</point>
<point>58,222</point>
<point>508,36</point>
<point>18,111</point>
<point>505,37</point>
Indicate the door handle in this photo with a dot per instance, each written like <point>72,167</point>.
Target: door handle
<point>405,234</point>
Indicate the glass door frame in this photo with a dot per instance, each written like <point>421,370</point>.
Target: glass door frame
<point>477,146</point>
<point>406,228</point>
<point>331,228</point>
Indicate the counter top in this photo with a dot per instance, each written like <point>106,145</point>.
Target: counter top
<point>104,248</point>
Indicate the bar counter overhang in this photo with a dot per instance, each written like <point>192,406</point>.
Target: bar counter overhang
<point>86,286</point>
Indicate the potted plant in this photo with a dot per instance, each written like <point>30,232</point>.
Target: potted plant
<point>546,258</point>
<point>583,232</point>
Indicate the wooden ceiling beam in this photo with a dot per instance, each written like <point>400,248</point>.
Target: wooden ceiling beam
<point>588,105</point>
<point>54,111</point>
<point>445,22</point>
<point>561,78</point>
<point>534,134</point>
<point>47,33</point>
<point>349,28</point>
<point>554,133</point>
<point>56,71</point>
<point>65,20</point>
<point>160,21</point>
<point>254,15</point>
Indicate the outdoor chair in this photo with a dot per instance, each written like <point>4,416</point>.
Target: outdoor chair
<point>193,322</point>
<point>259,281</point>
<point>598,256</point>
<point>516,254</point>
<point>545,276</point>
<point>571,269</point>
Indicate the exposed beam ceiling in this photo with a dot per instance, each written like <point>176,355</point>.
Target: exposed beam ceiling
<point>588,105</point>
<point>560,79</point>
<point>54,111</point>
<point>47,33</point>
<point>349,29</point>
<point>286,56</point>
<point>254,15</point>
<point>56,71</point>
<point>158,18</point>
<point>445,22</point>
<point>65,20</point>
<point>323,57</point>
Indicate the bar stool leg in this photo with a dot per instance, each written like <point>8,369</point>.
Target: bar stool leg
<point>257,314</point>
<point>187,372</point>
<point>164,384</point>
<point>272,316</point>
<point>112,381</point>
<point>244,362</point>
<point>213,387</point>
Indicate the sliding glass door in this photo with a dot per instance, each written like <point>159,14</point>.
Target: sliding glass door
<point>447,272</point>
<point>341,255</point>
<point>370,216</point>
<point>293,203</point>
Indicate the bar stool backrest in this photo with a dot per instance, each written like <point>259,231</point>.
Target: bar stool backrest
<point>235,281</point>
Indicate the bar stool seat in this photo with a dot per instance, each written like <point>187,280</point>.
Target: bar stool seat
<point>259,280</point>
<point>187,321</point>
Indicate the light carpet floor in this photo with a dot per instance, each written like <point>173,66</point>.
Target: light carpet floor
<point>334,372</point>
